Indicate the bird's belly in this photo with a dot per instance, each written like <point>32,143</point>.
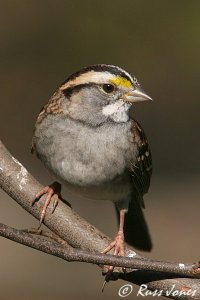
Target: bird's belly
<point>87,159</point>
<point>93,166</point>
<point>97,174</point>
<point>99,169</point>
<point>115,190</point>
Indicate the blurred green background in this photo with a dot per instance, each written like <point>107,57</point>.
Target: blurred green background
<point>41,43</point>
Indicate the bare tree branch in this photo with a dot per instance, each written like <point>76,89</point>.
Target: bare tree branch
<point>17,182</point>
<point>85,242</point>
<point>68,253</point>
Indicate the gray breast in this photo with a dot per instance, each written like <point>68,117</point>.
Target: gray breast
<point>82,155</point>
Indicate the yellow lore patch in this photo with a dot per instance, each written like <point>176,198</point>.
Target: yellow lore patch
<point>121,81</point>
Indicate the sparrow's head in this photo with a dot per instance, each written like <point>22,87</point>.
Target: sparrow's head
<point>99,93</point>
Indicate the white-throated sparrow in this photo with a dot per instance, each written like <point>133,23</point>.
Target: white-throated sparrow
<point>85,136</point>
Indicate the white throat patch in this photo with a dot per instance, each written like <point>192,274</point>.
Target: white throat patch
<point>117,111</point>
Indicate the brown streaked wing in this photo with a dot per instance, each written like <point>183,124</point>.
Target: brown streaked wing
<point>141,170</point>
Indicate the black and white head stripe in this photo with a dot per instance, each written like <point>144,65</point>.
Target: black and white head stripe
<point>101,68</point>
<point>98,74</point>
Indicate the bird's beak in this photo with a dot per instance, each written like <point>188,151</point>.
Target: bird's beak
<point>136,95</point>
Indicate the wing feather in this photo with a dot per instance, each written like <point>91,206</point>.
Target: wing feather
<point>141,170</point>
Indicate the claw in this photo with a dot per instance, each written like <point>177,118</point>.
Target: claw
<point>53,189</point>
<point>117,245</point>
<point>55,203</point>
<point>103,286</point>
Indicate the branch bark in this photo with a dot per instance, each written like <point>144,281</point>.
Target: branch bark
<point>85,242</point>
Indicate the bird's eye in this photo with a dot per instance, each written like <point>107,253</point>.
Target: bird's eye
<point>108,88</point>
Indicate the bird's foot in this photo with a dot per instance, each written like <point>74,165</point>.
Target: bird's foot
<point>118,246</point>
<point>51,190</point>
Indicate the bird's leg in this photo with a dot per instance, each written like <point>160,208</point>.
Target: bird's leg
<point>117,244</point>
<point>51,190</point>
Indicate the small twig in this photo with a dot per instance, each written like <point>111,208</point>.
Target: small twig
<point>71,254</point>
<point>47,234</point>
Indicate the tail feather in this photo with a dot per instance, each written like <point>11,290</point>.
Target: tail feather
<point>136,231</point>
